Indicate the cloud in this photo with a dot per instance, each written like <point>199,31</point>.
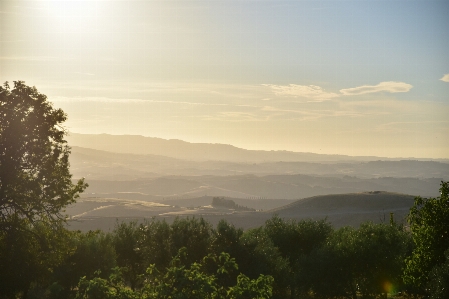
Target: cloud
<point>86,74</point>
<point>30,58</point>
<point>306,91</point>
<point>60,99</point>
<point>445,78</point>
<point>390,86</point>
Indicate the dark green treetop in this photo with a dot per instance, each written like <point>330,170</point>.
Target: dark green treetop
<point>429,223</point>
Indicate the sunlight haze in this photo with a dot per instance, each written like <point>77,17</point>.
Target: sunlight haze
<point>329,77</point>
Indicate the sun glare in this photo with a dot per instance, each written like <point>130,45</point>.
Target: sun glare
<point>73,16</point>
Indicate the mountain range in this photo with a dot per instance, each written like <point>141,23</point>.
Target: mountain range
<point>136,177</point>
<point>136,144</point>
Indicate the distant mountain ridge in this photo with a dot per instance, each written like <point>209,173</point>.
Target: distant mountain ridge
<point>136,144</point>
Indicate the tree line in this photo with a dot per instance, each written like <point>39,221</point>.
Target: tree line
<point>229,203</point>
<point>189,258</point>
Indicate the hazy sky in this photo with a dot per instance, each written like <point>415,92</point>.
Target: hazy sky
<point>338,77</point>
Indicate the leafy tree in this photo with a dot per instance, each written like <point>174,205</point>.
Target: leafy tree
<point>28,259</point>
<point>94,253</point>
<point>153,243</point>
<point>35,182</point>
<point>380,251</point>
<point>125,239</point>
<point>296,239</point>
<point>429,223</point>
<point>192,233</point>
<point>368,261</point>
<point>226,238</point>
<point>35,186</point>
<point>259,256</point>
<point>195,281</point>
<point>439,280</point>
<point>100,288</point>
<point>260,288</point>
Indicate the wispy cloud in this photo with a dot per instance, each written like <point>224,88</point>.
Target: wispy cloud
<point>317,93</point>
<point>30,58</point>
<point>306,91</point>
<point>390,86</point>
<point>86,74</point>
<point>60,99</point>
<point>236,116</point>
<point>445,78</point>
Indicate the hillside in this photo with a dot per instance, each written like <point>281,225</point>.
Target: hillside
<point>273,187</point>
<point>340,209</point>
<point>349,209</point>
<point>108,165</point>
<point>135,144</point>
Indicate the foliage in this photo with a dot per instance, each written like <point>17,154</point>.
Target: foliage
<point>366,261</point>
<point>35,182</point>
<point>93,252</point>
<point>429,223</point>
<point>153,243</point>
<point>29,255</point>
<point>439,280</point>
<point>35,187</point>
<point>226,238</point>
<point>229,203</point>
<point>295,240</point>
<point>258,255</point>
<point>180,281</point>
<point>100,288</point>
<point>259,288</point>
<point>125,238</point>
<point>192,233</point>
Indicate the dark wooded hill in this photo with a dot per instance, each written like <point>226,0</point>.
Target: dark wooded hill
<point>349,209</point>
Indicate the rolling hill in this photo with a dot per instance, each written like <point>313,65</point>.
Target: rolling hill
<point>339,209</point>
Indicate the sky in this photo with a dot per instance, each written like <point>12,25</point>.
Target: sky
<point>330,77</point>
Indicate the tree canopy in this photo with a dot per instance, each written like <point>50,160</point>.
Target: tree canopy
<point>429,223</point>
<point>35,182</point>
<point>35,187</point>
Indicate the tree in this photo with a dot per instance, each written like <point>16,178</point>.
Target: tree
<point>181,280</point>
<point>35,182</point>
<point>429,223</point>
<point>192,233</point>
<point>439,280</point>
<point>258,255</point>
<point>296,239</point>
<point>153,243</point>
<point>101,288</point>
<point>226,239</point>
<point>94,251</point>
<point>35,186</point>
<point>27,263</point>
<point>367,261</point>
<point>125,239</point>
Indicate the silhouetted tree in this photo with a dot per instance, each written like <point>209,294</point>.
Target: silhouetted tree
<point>35,184</point>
